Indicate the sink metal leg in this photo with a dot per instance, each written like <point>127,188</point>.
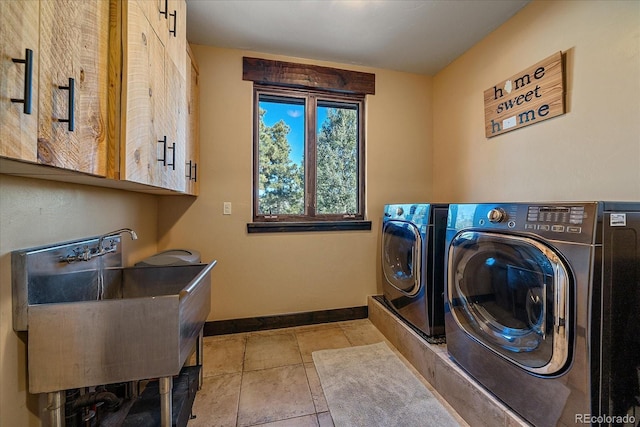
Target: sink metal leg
<point>166,401</point>
<point>55,406</point>
<point>200,357</point>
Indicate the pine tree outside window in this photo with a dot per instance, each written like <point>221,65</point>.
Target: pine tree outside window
<point>308,155</point>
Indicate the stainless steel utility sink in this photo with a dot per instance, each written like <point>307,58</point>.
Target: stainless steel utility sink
<point>93,322</point>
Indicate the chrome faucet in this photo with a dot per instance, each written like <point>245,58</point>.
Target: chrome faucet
<point>132,233</point>
<point>100,249</point>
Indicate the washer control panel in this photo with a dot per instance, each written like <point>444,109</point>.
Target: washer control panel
<point>563,221</point>
<point>557,214</point>
<point>558,219</point>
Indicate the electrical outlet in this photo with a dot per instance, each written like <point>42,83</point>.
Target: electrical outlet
<point>227,208</point>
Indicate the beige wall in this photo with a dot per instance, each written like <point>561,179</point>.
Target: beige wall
<point>268,274</point>
<point>37,212</point>
<point>425,142</point>
<point>590,153</point>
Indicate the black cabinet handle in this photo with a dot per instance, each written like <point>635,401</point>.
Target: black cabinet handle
<point>166,9</point>
<point>70,105</point>
<point>175,22</point>
<point>166,147</point>
<point>28,79</point>
<point>193,170</point>
<point>163,141</point>
<point>173,150</point>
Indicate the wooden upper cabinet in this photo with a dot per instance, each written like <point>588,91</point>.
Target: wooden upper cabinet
<point>176,127</point>
<point>153,105</point>
<point>73,84</point>
<point>108,88</point>
<point>142,107</point>
<point>192,149</point>
<point>66,77</point>
<point>19,28</point>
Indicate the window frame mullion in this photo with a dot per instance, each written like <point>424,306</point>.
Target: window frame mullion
<point>310,157</point>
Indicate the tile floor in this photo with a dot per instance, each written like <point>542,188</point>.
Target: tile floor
<point>268,378</point>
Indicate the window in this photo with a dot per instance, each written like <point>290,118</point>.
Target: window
<point>308,146</point>
<point>308,151</point>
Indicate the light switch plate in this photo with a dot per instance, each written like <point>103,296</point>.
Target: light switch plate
<point>226,210</point>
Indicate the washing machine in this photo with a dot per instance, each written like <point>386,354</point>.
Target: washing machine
<point>543,307</point>
<point>413,264</point>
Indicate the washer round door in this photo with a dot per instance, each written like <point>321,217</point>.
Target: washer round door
<point>401,255</point>
<point>511,294</point>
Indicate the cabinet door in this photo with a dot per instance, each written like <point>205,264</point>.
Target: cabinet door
<point>157,14</point>
<point>19,26</point>
<point>177,31</point>
<point>168,18</point>
<point>73,75</point>
<point>144,140</point>
<point>192,150</point>
<point>176,126</point>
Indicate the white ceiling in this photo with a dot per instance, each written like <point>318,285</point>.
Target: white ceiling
<point>414,36</point>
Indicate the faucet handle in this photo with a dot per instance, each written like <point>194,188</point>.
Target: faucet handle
<point>87,253</point>
<point>78,255</point>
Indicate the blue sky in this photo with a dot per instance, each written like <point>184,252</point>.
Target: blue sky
<point>293,116</point>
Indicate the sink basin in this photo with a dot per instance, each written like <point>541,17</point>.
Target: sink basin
<point>144,326</point>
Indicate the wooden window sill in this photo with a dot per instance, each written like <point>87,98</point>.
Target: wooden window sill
<point>289,227</point>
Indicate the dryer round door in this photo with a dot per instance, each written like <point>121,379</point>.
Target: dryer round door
<point>401,255</point>
<point>511,294</point>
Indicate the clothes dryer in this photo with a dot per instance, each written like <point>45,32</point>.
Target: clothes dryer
<point>542,307</point>
<point>413,264</point>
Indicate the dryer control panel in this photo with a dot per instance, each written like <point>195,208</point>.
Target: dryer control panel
<point>568,221</point>
<point>573,222</point>
<point>556,218</point>
<point>560,214</point>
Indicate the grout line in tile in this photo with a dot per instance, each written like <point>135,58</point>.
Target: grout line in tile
<point>295,333</point>
<point>286,419</point>
<point>309,385</point>
<point>306,375</point>
<point>244,353</point>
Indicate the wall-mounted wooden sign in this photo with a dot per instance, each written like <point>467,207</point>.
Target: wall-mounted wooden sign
<point>531,96</point>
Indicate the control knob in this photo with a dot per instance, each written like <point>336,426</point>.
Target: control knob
<point>496,215</point>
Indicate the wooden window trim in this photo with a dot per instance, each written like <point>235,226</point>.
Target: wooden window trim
<point>316,82</point>
<point>290,74</point>
<point>307,226</point>
<point>310,189</point>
